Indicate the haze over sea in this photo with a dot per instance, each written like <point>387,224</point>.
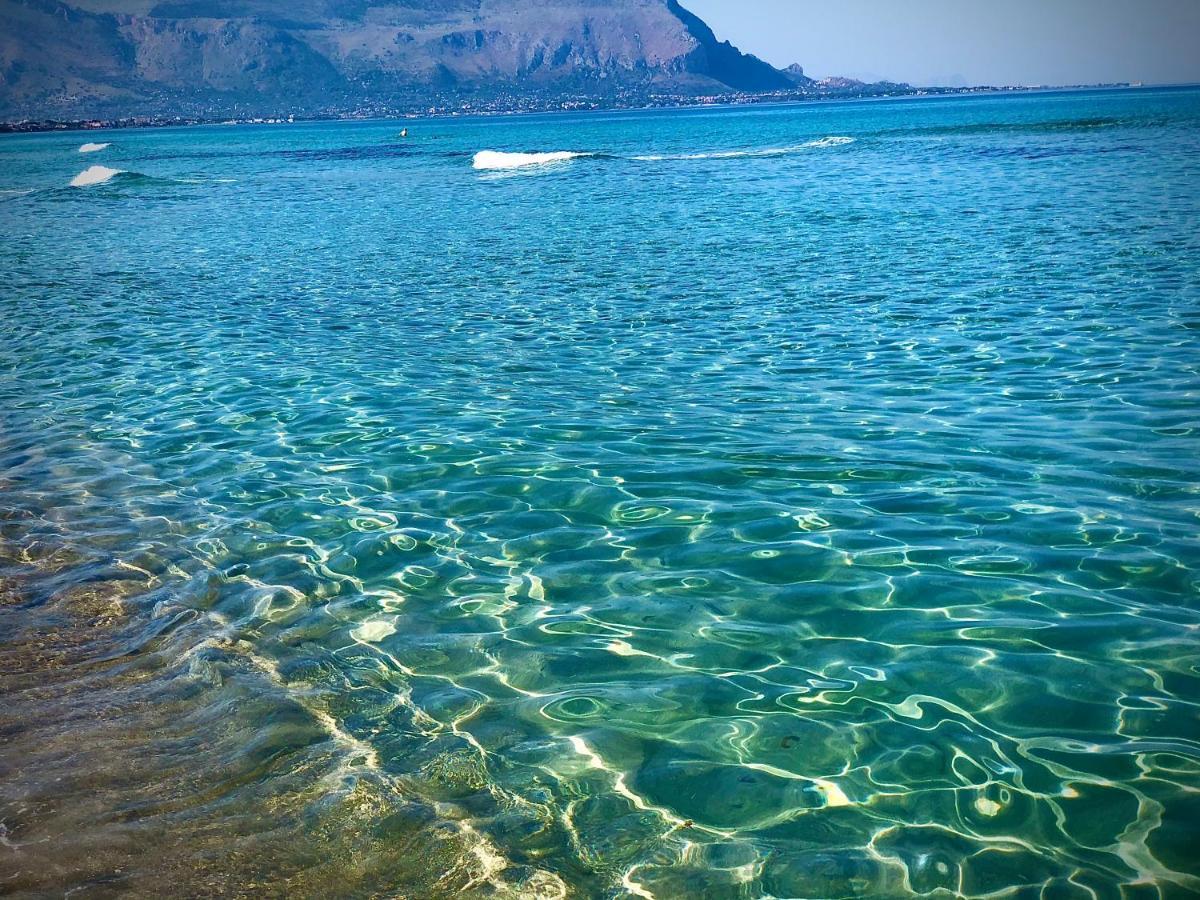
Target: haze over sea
<point>783,501</point>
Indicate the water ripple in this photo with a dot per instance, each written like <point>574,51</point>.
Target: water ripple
<point>813,524</point>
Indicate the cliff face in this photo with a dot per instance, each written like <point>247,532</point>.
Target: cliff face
<point>123,57</point>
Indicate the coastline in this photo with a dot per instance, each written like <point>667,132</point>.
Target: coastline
<point>564,106</point>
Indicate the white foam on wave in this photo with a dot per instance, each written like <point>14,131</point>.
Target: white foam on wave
<point>92,148</point>
<point>94,175</point>
<point>834,141</point>
<point>495,159</point>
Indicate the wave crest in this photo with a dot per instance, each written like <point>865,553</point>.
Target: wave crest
<point>92,148</point>
<point>833,141</point>
<point>495,159</point>
<point>94,175</point>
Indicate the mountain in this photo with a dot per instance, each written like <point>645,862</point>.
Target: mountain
<point>795,74</point>
<point>108,58</point>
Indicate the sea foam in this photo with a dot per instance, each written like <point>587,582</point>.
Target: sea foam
<point>834,141</point>
<point>495,159</point>
<point>92,148</point>
<point>94,175</point>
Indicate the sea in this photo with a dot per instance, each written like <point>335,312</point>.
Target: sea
<point>776,501</point>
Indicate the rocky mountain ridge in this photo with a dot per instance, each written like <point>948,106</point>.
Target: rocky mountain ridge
<point>93,58</point>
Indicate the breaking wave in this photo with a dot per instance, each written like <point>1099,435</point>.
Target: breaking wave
<point>834,141</point>
<point>495,159</point>
<point>93,148</point>
<point>94,175</point>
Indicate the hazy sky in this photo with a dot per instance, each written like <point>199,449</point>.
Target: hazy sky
<point>957,42</point>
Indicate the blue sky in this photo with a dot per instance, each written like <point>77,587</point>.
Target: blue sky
<point>969,41</point>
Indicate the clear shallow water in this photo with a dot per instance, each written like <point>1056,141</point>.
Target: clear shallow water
<point>769,515</point>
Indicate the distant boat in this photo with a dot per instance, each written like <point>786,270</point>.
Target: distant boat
<point>403,132</point>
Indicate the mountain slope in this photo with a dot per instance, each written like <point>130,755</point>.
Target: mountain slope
<point>126,57</point>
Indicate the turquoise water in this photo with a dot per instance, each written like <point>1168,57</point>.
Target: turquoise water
<point>793,501</point>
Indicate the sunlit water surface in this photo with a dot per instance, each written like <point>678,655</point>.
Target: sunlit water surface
<point>777,502</point>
